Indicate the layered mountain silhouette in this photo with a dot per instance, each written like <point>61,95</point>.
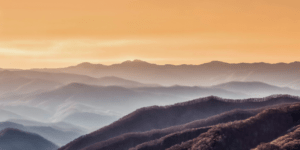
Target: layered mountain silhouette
<point>115,98</point>
<point>149,118</point>
<point>100,101</point>
<point>109,97</point>
<point>212,73</point>
<point>25,81</point>
<point>62,104</point>
<point>14,139</point>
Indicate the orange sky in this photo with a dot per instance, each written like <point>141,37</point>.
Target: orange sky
<point>58,33</point>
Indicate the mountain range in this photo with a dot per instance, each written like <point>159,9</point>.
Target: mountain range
<point>207,74</point>
<point>131,105</point>
<point>112,99</point>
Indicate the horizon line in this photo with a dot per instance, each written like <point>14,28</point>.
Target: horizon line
<point>142,61</point>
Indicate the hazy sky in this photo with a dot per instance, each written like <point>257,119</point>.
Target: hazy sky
<point>57,33</point>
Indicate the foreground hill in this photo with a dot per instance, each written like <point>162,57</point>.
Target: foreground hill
<point>207,74</point>
<point>161,137</point>
<point>156,117</point>
<point>13,139</point>
<point>250,133</point>
<point>290,141</point>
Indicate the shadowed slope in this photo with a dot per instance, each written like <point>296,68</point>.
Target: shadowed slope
<point>160,139</point>
<point>56,136</point>
<point>13,139</point>
<point>289,141</point>
<point>155,117</point>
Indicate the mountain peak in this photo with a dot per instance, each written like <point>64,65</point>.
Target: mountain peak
<point>76,85</point>
<point>138,60</point>
<point>135,62</point>
<point>215,63</point>
<point>84,64</point>
<point>88,65</point>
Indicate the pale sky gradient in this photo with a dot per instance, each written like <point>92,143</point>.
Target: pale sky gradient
<point>59,33</point>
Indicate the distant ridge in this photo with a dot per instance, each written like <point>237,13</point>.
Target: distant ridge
<point>137,61</point>
<point>25,81</point>
<point>116,81</point>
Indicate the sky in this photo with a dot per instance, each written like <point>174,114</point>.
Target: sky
<point>60,33</point>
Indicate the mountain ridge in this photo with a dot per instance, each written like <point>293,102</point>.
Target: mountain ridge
<point>211,62</point>
<point>211,73</point>
<point>145,119</point>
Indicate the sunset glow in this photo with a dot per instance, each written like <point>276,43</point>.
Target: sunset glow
<point>60,33</point>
